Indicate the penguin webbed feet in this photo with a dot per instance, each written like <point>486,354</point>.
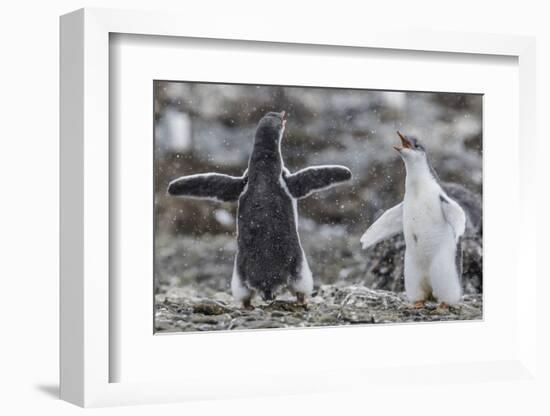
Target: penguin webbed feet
<point>419,304</point>
<point>271,301</point>
<point>443,307</point>
<point>301,299</point>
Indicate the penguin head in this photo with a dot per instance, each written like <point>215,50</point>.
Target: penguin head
<point>411,150</point>
<point>270,128</point>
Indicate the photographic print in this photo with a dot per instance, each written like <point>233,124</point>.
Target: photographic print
<point>292,207</point>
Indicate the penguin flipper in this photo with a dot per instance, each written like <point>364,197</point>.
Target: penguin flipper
<point>469,202</point>
<point>454,215</point>
<point>388,225</point>
<point>315,178</point>
<point>215,186</point>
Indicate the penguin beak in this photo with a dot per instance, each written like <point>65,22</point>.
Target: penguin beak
<point>405,143</point>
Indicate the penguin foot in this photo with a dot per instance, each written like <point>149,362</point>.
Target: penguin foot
<point>419,304</point>
<point>247,304</point>
<point>442,307</point>
<point>301,299</point>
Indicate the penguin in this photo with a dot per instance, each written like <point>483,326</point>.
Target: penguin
<point>269,253</point>
<point>433,224</point>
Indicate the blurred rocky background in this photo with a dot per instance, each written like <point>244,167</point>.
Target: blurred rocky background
<point>210,127</point>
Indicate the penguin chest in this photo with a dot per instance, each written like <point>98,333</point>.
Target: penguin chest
<point>423,225</point>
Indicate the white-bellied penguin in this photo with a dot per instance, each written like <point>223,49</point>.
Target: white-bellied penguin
<point>432,223</point>
<point>269,254</point>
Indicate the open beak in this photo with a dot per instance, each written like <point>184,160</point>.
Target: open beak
<point>405,143</point>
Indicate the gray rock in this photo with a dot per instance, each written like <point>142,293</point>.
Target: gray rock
<point>208,307</point>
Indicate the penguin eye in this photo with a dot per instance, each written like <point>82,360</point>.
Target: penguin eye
<point>416,144</point>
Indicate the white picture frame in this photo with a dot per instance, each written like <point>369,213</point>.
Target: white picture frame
<point>86,356</point>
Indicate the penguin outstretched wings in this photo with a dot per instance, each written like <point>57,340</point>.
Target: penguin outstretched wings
<point>391,222</point>
<point>214,186</point>
<point>269,254</point>
<point>303,183</point>
<point>388,225</point>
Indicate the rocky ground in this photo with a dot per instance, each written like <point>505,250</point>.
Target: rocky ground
<point>352,286</point>
<point>185,310</point>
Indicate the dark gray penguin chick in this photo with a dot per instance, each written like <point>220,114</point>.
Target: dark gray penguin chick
<point>269,253</point>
